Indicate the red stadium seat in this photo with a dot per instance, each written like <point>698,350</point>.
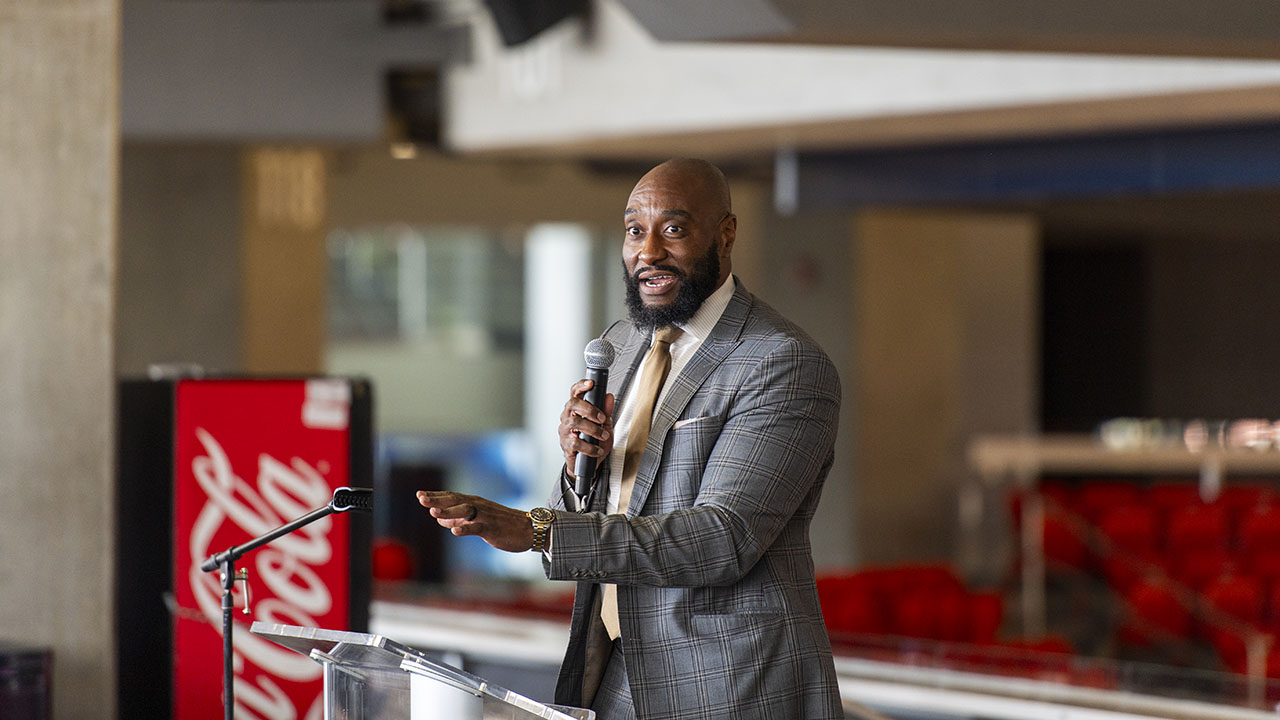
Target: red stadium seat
<point>1263,564</point>
<point>849,604</point>
<point>858,612</point>
<point>1242,600</point>
<point>1258,530</point>
<point>1122,569</point>
<point>1131,528</point>
<point>392,560</point>
<point>914,614</point>
<point>1166,496</point>
<point>954,617</point>
<point>1196,567</point>
<point>1197,527</point>
<point>1059,492</point>
<point>1131,535</point>
<point>1239,596</point>
<point>986,613</point>
<point>1240,499</point>
<point>1156,613</point>
<point>1064,543</point>
<point>1232,649</point>
<point>1096,496</point>
<point>920,601</point>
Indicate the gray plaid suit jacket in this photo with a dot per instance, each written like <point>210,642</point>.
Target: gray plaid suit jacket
<point>716,595</point>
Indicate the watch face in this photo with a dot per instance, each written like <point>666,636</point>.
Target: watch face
<point>542,515</point>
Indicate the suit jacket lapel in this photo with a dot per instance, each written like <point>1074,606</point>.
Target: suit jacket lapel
<point>722,340</point>
<point>627,363</point>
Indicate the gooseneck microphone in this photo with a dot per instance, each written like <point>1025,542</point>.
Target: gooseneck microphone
<point>599,355</point>
<point>347,499</point>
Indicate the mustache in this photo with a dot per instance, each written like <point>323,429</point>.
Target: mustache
<point>635,276</point>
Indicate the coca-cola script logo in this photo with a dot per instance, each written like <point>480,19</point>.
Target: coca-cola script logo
<point>284,572</point>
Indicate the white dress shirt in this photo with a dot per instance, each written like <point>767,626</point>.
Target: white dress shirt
<point>695,331</point>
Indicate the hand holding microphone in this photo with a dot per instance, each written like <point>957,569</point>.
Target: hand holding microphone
<point>585,422</point>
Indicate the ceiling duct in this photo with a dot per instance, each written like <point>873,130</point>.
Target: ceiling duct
<point>520,20</point>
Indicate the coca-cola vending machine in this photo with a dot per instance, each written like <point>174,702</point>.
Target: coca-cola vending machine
<point>208,464</point>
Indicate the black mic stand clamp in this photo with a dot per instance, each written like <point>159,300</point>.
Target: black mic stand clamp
<point>344,499</point>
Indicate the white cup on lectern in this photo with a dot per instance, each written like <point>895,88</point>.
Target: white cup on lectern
<point>431,698</point>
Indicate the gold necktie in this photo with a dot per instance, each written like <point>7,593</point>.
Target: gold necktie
<point>653,373</point>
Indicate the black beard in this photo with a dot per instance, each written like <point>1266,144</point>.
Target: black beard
<point>695,288</point>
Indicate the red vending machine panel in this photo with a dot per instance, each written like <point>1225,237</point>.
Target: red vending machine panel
<point>250,456</point>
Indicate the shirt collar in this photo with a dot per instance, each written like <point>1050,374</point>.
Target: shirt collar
<point>704,320</point>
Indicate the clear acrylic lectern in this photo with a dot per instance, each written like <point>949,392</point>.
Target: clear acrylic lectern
<point>368,677</point>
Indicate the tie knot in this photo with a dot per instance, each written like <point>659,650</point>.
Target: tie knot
<point>667,334</point>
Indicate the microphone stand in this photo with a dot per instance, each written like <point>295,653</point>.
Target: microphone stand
<point>344,499</point>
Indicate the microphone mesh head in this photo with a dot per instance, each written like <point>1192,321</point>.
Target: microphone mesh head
<point>599,354</point>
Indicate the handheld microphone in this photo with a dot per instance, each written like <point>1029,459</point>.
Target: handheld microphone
<point>599,355</point>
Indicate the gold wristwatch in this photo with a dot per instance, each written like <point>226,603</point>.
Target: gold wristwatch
<point>541,519</point>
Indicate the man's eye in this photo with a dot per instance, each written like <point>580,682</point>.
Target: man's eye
<point>675,229</point>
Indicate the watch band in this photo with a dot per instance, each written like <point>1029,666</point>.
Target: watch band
<point>541,519</point>
<point>540,537</point>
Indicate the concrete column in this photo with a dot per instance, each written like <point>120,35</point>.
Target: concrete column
<point>178,271</point>
<point>59,140</point>
<point>799,265</point>
<point>945,307</point>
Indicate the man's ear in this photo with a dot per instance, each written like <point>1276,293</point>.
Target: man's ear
<point>728,234</point>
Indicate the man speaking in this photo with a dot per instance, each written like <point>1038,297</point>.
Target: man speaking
<point>695,594</point>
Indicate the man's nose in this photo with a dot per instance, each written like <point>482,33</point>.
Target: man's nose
<point>653,249</point>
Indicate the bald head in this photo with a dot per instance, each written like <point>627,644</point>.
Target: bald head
<point>695,176</point>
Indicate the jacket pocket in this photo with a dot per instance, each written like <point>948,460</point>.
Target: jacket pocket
<point>745,655</point>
